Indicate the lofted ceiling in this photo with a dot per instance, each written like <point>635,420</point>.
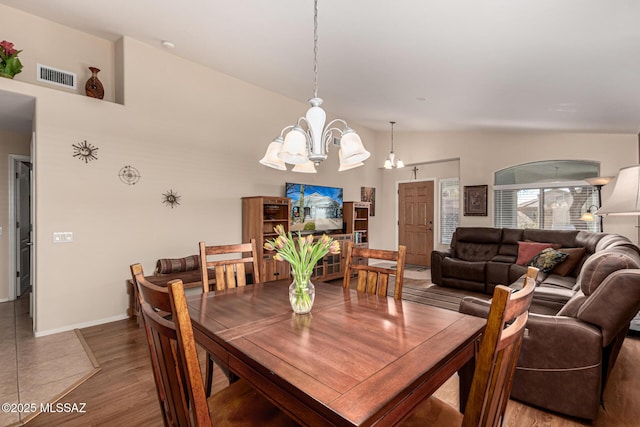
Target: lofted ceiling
<point>570,65</point>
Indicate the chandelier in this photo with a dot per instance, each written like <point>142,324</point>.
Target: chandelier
<point>306,143</point>
<point>391,161</point>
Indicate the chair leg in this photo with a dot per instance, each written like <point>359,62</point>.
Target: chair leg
<point>209,375</point>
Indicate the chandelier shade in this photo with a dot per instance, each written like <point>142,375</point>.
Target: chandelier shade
<point>346,166</point>
<point>307,142</point>
<point>294,148</point>
<point>271,157</point>
<point>307,167</point>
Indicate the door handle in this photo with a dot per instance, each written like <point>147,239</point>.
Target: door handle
<point>29,243</point>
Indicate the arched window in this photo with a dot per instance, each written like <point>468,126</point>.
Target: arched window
<point>548,195</point>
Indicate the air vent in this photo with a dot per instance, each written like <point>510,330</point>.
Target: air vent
<point>56,77</point>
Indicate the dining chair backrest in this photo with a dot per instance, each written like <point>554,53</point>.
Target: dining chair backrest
<point>370,278</point>
<point>229,273</point>
<point>174,349</point>
<point>153,294</point>
<point>158,298</point>
<point>498,355</point>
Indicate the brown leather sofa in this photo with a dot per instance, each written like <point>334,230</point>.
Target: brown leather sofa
<point>481,258</point>
<point>577,322</point>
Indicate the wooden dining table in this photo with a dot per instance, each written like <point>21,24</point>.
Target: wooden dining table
<point>356,360</point>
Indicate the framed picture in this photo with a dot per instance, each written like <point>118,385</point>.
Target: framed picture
<point>368,194</point>
<point>475,200</point>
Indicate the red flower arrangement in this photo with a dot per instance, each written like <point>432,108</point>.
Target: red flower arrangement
<point>10,65</point>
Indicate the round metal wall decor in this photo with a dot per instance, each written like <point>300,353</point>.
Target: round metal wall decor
<point>129,175</point>
<point>171,199</point>
<point>85,151</point>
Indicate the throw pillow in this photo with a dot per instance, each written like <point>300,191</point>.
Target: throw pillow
<point>177,265</point>
<point>548,259</point>
<point>575,255</point>
<point>527,250</point>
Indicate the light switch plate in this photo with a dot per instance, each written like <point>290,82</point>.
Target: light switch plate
<point>62,236</point>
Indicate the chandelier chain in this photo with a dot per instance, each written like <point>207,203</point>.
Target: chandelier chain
<point>315,48</point>
<point>392,123</point>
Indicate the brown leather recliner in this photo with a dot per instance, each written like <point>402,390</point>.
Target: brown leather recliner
<point>566,358</point>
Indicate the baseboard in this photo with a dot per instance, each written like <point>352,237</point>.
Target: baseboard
<point>81,325</point>
<point>5,300</point>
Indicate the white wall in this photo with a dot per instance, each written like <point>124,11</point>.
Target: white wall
<point>483,153</point>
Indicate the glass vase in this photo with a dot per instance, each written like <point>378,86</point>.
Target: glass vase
<point>302,297</point>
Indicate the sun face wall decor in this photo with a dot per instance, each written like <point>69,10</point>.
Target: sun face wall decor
<point>85,151</point>
<point>171,199</point>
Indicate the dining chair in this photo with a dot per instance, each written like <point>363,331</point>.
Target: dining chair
<point>173,348</point>
<point>370,278</point>
<point>229,273</point>
<point>495,364</point>
<point>161,305</point>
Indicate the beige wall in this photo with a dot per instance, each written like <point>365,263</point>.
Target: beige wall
<point>483,153</point>
<point>10,143</point>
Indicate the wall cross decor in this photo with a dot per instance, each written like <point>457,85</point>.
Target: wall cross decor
<point>415,172</point>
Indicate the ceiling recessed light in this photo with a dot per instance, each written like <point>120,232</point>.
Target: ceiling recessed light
<point>167,44</point>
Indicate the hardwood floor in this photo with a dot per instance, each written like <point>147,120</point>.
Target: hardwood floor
<point>123,392</point>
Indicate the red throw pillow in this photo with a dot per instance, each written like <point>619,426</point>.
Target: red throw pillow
<point>575,255</point>
<point>527,250</point>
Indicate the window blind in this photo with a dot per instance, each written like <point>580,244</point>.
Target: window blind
<point>449,208</point>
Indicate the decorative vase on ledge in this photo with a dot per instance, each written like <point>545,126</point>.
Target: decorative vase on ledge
<point>94,88</point>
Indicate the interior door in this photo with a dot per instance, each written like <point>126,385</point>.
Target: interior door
<point>23,205</point>
<point>415,224</point>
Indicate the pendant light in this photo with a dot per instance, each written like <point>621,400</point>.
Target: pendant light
<point>306,143</point>
<point>391,161</point>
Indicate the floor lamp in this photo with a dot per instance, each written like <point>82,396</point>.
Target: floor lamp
<point>598,182</point>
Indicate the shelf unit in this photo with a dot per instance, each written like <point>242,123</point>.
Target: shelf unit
<point>356,221</point>
<point>260,214</point>
<point>331,266</point>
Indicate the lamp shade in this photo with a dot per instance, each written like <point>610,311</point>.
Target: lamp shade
<point>294,148</point>
<point>587,216</point>
<point>352,149</point>
<point>271,158</point>
<point>625,199</point>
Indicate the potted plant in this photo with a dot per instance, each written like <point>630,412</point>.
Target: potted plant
<point>10,64</point>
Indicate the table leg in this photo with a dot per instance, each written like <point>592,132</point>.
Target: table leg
<point>466,377</point>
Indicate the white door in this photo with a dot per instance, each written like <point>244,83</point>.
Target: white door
<point>23,215</point>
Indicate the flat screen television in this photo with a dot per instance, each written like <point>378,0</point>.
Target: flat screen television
<point>314,208</point>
